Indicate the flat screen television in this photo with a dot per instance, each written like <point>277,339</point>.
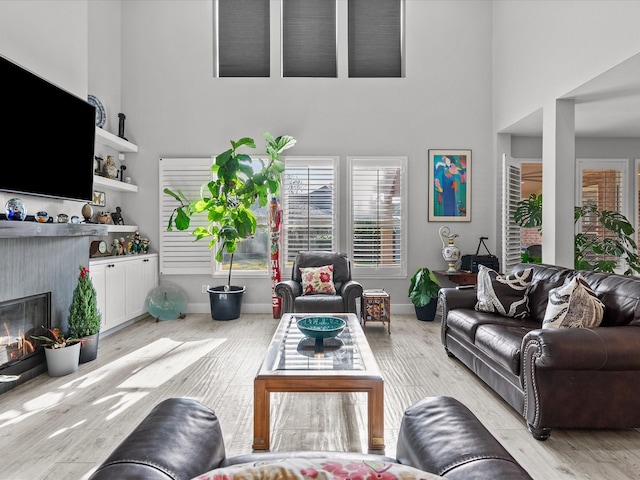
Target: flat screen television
<point>47,137</point>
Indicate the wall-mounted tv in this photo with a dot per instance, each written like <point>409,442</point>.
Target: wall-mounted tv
<point>47,137</point>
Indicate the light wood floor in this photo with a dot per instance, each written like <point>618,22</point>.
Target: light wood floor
<point>61,428</point>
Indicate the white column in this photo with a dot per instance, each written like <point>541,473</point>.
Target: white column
<point>558,182</point>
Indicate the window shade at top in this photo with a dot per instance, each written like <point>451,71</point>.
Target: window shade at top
<point>375,45</point>
<point>309,38</point>
<point>243,38</point>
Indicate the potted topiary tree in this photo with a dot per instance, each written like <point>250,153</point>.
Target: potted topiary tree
<point>84,317</point>
<point>423,292</point>
<point>227,201</point>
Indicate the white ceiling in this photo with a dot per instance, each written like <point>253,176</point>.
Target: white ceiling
<point>607,106</point>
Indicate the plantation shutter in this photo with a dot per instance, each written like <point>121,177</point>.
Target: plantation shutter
<point>377,215</point>
<point>309,206</point>
<point>178,252</point>
<point>243,38</point>
<point>511,195</point>
<point>603,186</point>
<point>309,38</point>
<point>375,38</point>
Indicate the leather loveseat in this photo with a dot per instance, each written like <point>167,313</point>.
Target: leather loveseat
<point>554,377</point>
<point>181,439</point>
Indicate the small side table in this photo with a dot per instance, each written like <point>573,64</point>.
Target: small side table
<point>461,277</point>
<point>376,307</point>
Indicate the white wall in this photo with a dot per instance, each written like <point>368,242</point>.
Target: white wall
<point>176,108</point>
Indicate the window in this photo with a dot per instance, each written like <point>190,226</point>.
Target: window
<point>309,38</point>
<point>309,213</point>
<point>375,38</point>
<point>511,232</point>
<point>242,38</point>
<point>377,196</point>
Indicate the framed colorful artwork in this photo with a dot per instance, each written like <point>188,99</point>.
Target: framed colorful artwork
<point>449,185</point>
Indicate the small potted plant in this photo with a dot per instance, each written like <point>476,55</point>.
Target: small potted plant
<point>84,317</point>
<point>423,292</point>
<point>62,354</point>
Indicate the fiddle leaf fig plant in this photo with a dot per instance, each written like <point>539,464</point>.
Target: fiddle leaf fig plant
<point>424,287</point>
<point>592,251</point>
<point>228,198</point>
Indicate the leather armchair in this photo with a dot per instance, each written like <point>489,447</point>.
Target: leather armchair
<point>347,290</point>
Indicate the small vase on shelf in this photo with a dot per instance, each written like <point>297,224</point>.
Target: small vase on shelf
<point>450,252</point>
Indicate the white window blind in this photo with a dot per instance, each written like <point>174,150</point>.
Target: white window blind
<point>511,195</point>
<point>242,38</point>
<point>309,210</point>
<point>179,253</point>
<point>377,203</point>
<point>375,38</point>
<point>309,38</point>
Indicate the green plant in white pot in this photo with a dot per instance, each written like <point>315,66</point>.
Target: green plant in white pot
<point>62,353</point>
<point>423,292</point>
<point>227,202</point>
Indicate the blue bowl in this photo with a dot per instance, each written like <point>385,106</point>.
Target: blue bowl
<point>321,327</point>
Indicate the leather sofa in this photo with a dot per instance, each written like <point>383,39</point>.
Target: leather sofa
<point>347,289</point>
<point>554,377</point>
<point>181,439</point>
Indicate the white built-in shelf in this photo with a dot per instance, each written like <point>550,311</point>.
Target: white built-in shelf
<point>111,184</point>
<point>113,141</point>
<point>122,228</point>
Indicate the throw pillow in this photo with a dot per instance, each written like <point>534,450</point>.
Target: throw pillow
<point>317,280</point>
<point>573,305</point>
<point>503,294</point>
<point>317,469</point>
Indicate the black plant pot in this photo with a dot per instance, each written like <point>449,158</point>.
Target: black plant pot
<point>89,348</point>
<point>225,305</point>
<point>428,312</point>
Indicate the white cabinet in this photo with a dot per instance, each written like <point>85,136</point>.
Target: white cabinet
<point>122,284</point>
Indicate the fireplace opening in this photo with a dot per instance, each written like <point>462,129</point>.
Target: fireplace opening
<point>22,358</point>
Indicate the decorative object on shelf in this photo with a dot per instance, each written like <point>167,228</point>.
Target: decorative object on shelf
<point>99,199</point>
<point>103,217</point>
<point>127,179</point>
<point>122,169</point>
<point>84,317</point>
<point>110,168</point>
<point>423,292</point>
<point>450,252</point>
<point>117,217</point>
<point>118,248</point>
<point>101,113</point>
<point>63,218</point>
<point>450,185</point>
<point>121,119</point>
<point>87,213</point>
<point>75,219</point>
<point>135,245</point>
<point>15,209</point>
<point>231,222</point>
<point>97,165</point>
<point>62,354</point>
<point>98,248</point>
<point>166,303</point>
<point>145,244</point>
<point>42,216</point>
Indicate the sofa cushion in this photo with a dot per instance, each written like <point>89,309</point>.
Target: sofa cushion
<point>503,294</point>
<point>317,280</point>
<point>317,469</point>
<point>502,343</point>
<point>573,305</point>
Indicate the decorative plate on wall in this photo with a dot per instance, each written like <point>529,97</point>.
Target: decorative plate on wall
<point>101,114</point>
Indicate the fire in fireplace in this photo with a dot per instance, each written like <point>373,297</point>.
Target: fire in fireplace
<point>19,320</point>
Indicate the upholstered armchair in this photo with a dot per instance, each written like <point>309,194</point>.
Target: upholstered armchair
<point>298,299</point>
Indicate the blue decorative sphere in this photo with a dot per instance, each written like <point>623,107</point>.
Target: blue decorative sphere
<point>166,302</point>
<point>15,209</point>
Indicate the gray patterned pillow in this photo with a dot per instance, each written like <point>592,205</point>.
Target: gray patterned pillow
<point>504,294</point>
<point>573,305</point>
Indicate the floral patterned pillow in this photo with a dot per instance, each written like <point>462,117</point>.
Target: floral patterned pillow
<point>317,280</point>
<point>317,469</point>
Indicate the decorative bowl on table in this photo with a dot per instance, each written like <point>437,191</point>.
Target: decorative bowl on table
<point>321,327</point>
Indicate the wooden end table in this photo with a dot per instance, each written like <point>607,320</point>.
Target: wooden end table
<point>294,364</point>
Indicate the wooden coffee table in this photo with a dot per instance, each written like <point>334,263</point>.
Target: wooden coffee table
<point>293,363</point>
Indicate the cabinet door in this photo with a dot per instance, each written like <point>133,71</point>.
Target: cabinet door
<point>98,274</point>
<point>135,294</point>
<point>150,269</point>
<point>116,289</point>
